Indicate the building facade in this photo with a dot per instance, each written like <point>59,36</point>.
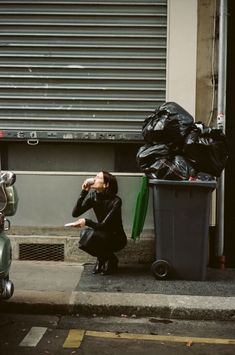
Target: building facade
<point>78,79</point>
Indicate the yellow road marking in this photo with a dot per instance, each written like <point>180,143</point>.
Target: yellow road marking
<point>74,338</point>
<point>166,338</point>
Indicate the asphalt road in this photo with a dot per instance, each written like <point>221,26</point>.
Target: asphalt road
<point>23,334</point>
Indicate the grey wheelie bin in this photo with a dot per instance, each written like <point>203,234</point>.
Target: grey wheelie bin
<point>181,219</point>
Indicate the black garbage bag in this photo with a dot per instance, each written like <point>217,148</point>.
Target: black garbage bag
<point>175,168</point>
<point>169,123</point>
<point>204,176</point>
<point>207,151</point>
<point>198,129</point>
<point>149,153</point>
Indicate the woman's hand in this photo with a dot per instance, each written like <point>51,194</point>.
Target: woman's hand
<point>81,222</point>
<point>86,186</point>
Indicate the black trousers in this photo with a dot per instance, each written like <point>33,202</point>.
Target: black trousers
<point>101,244</point>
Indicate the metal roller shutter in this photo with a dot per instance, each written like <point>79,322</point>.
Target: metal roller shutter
<point>80,69</point>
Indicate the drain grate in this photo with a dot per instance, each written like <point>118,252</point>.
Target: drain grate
<point>49,252</point>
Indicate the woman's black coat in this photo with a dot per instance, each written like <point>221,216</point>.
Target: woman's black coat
<point>107,209</point>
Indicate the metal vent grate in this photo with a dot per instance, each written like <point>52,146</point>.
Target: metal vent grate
<point>49,252</point>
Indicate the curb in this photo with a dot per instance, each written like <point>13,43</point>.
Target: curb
<point>155,305</point>
<point>117,304</point>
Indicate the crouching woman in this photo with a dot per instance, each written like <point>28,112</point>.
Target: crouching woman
<point>105,236</point>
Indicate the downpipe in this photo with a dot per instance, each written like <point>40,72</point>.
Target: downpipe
<point>221,107</point>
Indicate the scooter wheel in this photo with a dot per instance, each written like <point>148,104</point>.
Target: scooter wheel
<point>8,289</point>
<point>161,269</point>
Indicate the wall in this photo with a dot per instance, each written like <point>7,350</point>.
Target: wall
<point>46,199</point>
<point>206,62</point>
<point>45,204</point>
<point>181,57</point>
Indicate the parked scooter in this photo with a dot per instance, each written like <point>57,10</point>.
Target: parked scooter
<point>8,207</point>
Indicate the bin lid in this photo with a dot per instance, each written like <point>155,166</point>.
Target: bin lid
<point>197,183</point>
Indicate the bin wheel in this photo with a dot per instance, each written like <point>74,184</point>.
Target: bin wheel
<point>161,269</point>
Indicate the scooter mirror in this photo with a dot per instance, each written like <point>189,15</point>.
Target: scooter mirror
<point>8,177</point>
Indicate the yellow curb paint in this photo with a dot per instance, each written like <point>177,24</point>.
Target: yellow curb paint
<point>166,338</point>
<point>74,338</point>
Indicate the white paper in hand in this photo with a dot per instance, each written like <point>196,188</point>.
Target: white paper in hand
<point>72,224</point>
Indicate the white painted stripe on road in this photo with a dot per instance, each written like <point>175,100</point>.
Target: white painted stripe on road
<point>33,337</point>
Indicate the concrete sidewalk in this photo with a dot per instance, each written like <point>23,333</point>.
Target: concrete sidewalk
<point>59,287</point>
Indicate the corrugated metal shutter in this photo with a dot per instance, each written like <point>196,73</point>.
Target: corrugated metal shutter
<point>81,66</point>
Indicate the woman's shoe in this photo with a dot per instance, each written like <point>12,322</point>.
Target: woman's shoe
<point>99,267</point>
<point>112,266</point>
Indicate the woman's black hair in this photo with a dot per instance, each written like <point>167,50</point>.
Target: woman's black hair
<point>111,181</point>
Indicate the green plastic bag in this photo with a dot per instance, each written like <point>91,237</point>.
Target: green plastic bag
<point>140,209</point>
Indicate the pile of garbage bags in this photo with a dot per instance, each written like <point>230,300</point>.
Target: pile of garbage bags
<point>177,148</point>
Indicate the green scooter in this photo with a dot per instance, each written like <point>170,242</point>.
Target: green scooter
<point>8,207</point>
